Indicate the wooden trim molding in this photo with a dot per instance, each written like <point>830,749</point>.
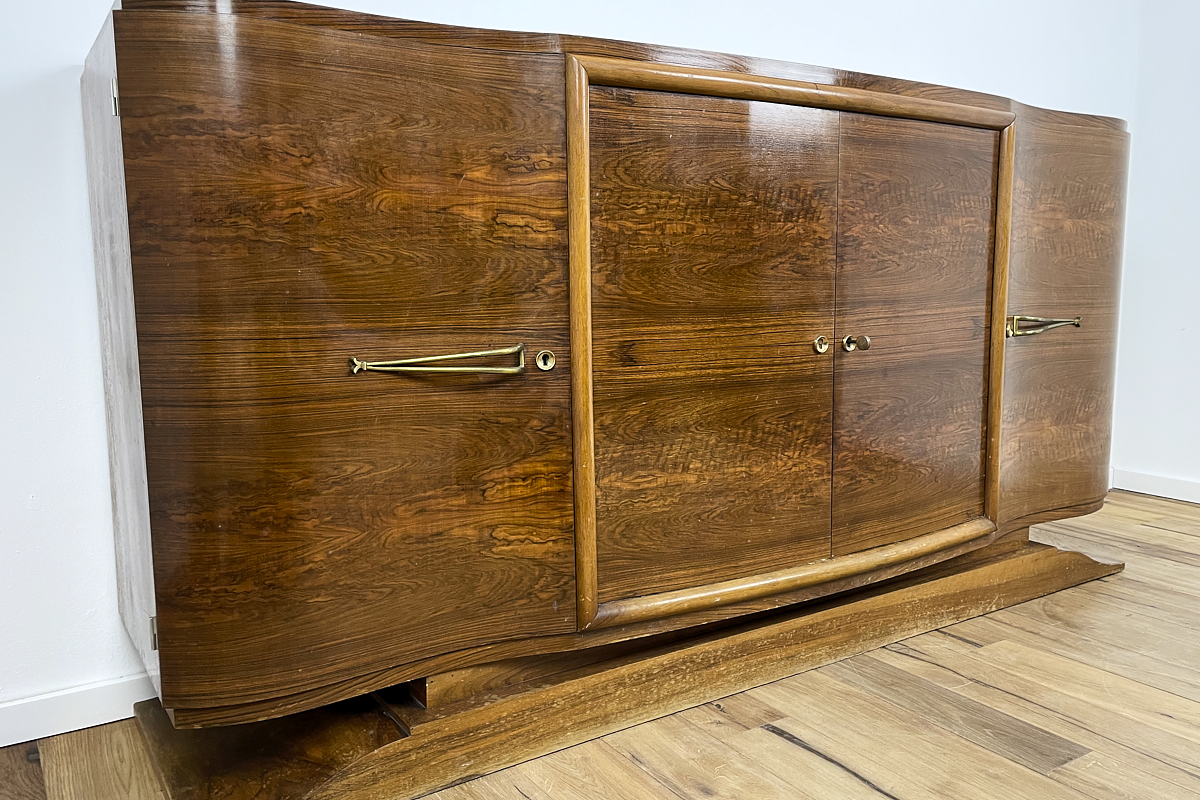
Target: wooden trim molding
<point>692,80</point>
<point>581,73</point>
<point>579,222</point>
<point>1000,259</point>
<point>714,595</point>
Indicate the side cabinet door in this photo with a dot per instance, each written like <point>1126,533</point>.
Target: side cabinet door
<point>712,271</point>
<point>299,197</point>
<point>916,210</point>
<point>1068,213</point>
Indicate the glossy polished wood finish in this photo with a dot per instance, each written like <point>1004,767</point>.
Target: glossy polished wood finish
<point>1068,218</point>
<point>309,184</point>
<point>583,441</point>
<point>712,260</point>
<point>916,205</point>
<point>457,36</point>
<point>719,83</point>
<point>319,198</point>
<point>826,573</point>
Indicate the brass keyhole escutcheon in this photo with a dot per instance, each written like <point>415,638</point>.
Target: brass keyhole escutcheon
<point>821,344</point>
<point>544,360</point>
<point>852,343</point>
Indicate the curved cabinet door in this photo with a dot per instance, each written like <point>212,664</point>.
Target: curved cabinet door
<point>712,239</point>
<point>916,211</point>
<point>1068,215</point>
<point>298,197</point>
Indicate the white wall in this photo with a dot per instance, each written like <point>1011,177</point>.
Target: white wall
<point>59,628</point>
<point>1156,440</point>
<point>64,658</point>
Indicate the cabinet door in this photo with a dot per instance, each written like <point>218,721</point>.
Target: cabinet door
<point>298,197</point>
<point>916,209</point>
<point>712,271</point>
<point>1068,212</point>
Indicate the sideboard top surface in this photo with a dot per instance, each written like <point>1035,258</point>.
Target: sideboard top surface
<point>529,42</point>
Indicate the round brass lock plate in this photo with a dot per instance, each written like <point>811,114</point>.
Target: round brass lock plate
<point>544,360</point>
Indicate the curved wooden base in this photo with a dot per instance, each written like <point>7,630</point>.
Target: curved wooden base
<point>358,750</point>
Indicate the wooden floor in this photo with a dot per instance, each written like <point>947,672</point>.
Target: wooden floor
<point>1093,692</point>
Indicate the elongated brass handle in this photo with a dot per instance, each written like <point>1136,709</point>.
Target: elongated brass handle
<point>1012,326</point>
<point>419,364</point>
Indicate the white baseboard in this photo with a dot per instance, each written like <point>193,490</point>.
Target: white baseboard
<point>1174,488</point>
<point>72,709</point>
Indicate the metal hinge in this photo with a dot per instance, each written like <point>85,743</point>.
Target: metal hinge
<point>116,99</point>
<point>154,633</point>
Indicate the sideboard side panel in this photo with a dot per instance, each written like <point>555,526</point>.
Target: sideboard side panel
<point>118,350</point>
<point>1068,217</point>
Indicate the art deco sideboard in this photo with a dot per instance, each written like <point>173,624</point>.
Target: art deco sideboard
<point>428,348</point>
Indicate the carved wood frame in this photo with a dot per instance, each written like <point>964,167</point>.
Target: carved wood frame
<point>581,73</point>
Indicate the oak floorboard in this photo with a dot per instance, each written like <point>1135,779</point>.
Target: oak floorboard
<point>504,785</point>
<point>1140,597</point>
<point>1152,656</point>
<point>693,764</point>
<point>1176,511</point>
<point>107,762</point>
<point>1111,768</point>
<point>592,771</point>
<point>20,777</point>
<point>921,760</point>
<point>1004,735</point>
<point>1114,723</point>
<point>781,757</point>
<point>732,716</point>
<point>1156,707</point>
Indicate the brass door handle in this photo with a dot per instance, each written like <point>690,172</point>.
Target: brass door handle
<point>1012,326</point>
<point>419,364</point>
<point>852,343</point>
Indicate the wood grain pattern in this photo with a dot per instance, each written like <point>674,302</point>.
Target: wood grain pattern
<point>280,759</point>
<point>1005,168</point>
<point>1000,733</point>
<point>824,577</point>
<point>1068,214</point>
<point>119,348</point>
<point>301,13</point>
<point>712,250</point>
<point>20,776</point>
<point>299,196</point>
<point>309,184</point>
<point>108,762</point>
<point>667,78</point>
<point>579,181</point>
<point>636,691</point>
<point>699,622</point>
<point>678,755</point>
<point>916,207</point>
<point>920,755</point>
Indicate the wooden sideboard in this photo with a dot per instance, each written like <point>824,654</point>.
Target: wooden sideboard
<point>734,336</point>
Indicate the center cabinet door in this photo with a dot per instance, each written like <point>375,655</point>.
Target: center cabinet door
<point>712,268</point>
<point>916,211</point>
